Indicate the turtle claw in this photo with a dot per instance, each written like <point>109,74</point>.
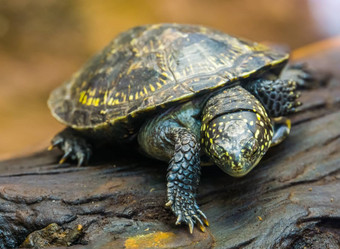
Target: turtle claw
<point>168,204</point>
<point>204,218</point>
<point>191,224</point>
<point>187,211</point>
<point>81,160</point>
<point>206,222</point>
<point>74,147</point>
<point>179,220</point>
<point>66,155</point>
<point>62,160</point>
<point>56,141</point>
<point>200,223</point>
<point>202,227</point>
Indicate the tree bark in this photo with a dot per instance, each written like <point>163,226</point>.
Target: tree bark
<point>290,200</point>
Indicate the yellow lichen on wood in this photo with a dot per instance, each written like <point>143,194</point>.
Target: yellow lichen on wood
<point>151,240</point>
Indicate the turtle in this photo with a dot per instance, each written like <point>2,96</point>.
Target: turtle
<point>183,92</point>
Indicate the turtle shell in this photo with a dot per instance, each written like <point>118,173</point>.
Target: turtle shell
<point>153,66</point>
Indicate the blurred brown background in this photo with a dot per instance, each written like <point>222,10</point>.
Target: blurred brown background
<point>42,42</point>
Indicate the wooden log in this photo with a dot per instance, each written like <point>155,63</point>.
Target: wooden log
<point>290,200</point>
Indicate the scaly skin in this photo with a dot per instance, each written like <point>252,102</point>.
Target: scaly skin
<point>277,96</point>
<point>183,179</point>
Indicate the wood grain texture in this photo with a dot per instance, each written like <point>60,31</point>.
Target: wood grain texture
<point>290,200</point>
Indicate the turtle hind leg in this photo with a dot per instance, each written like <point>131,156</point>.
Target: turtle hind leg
<point>279,97</point>
<point>281,127</point>
<point>74,146</point>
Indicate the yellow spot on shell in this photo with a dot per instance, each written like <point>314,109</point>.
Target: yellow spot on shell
<point>146,91</point>
<point>159,85</point>
<point>89,101</point>
<point>165,74</point>
<point>92,92</point>
<point>105,98</point>
<point>164,81</point>
<point>251,123</point>
<point>151,240</point>
<point>96,101</point>
<point>152,88</point>
<point>258,116</point>
<point>84,100</point>
<point>82,95</point>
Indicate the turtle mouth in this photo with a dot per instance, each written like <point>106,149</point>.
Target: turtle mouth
<point>245,168</point>
<point>238,166</point>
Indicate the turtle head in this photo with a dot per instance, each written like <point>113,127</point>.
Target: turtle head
<point>237,141</point>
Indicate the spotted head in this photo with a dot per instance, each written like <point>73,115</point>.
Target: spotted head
<point>237,138</point>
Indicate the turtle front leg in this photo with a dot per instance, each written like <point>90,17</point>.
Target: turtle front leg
<point>279,97</point>
<point>73,145</point>
<point>183,179</point>
<point>164,139</point>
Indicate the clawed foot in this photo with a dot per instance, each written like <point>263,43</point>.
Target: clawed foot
<point>290,96</point>
<point>279,97</point>
<point>186,209</point>
<point>74,147</point>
